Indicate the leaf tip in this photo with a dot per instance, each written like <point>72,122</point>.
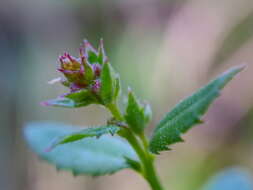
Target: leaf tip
<point>129,90</point>
<point>243,66</point>
<point>53,81</point>
<point>237,69</point>
<point>44,103</point>
<point>200,121</point>
<point>49,148</point>
<point>101,43</point>
<point>58,168</point>
<point>75,173</point>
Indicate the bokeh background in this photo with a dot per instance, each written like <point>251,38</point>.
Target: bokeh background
<point>163,49</point>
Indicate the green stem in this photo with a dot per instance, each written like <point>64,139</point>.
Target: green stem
<point>147,161</point>
<point>113,107</point>
<point>152,177</point>
<point>144,140</point>
<point>146,158</point>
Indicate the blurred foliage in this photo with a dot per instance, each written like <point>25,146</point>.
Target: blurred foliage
<point>232,179</point>
<point>240,34</point>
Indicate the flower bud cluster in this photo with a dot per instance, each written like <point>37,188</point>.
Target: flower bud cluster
<point>83,72</point>
<point>90,78</point>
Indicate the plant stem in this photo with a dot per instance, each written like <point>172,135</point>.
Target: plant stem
<point>152,177</point>
<point>144,140</point>
<point>146,158</point>
<point>113,107</point>
<point>147,161</point>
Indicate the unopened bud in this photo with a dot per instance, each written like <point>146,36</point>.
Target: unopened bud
<point>90,73</point>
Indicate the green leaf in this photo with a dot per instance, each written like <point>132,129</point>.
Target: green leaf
<point>82,97</point>
<point>117,87</point>
<point>187,113</point>
<point>137,115</point>
<point>107,84</point>
<point>89,75</point>
<point>60,102</point>
<point>134,164</point>
<point>90,52</point>
<point>90,156</point>
<point>92,57</point>
<point>101,53</point>
<point>73,100</point>
<point>84,133</point>
<point>147,113</point>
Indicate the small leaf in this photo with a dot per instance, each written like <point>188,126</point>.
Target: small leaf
<point>90,156</point>
<point>135,114</point>
<point>134,164</point>
<point>147,113</point>
<point>101,53</point>
<point>187,113</point>
<point>89,74</point>
<point>84,133</point>
<point>117,87</point>
<point>107,84</point>
<point>81,96</point>
<point>73,100</point>
<point>59,102</point>
<point>92,57</point>
<point>90,52</point>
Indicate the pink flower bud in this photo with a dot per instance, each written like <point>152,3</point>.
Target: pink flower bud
<point>97,69</point>
<point>96,86</point>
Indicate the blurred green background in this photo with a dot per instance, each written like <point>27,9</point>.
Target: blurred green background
<point>163,49</point>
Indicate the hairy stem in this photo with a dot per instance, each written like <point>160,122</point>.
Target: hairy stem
<point>146,158</point>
